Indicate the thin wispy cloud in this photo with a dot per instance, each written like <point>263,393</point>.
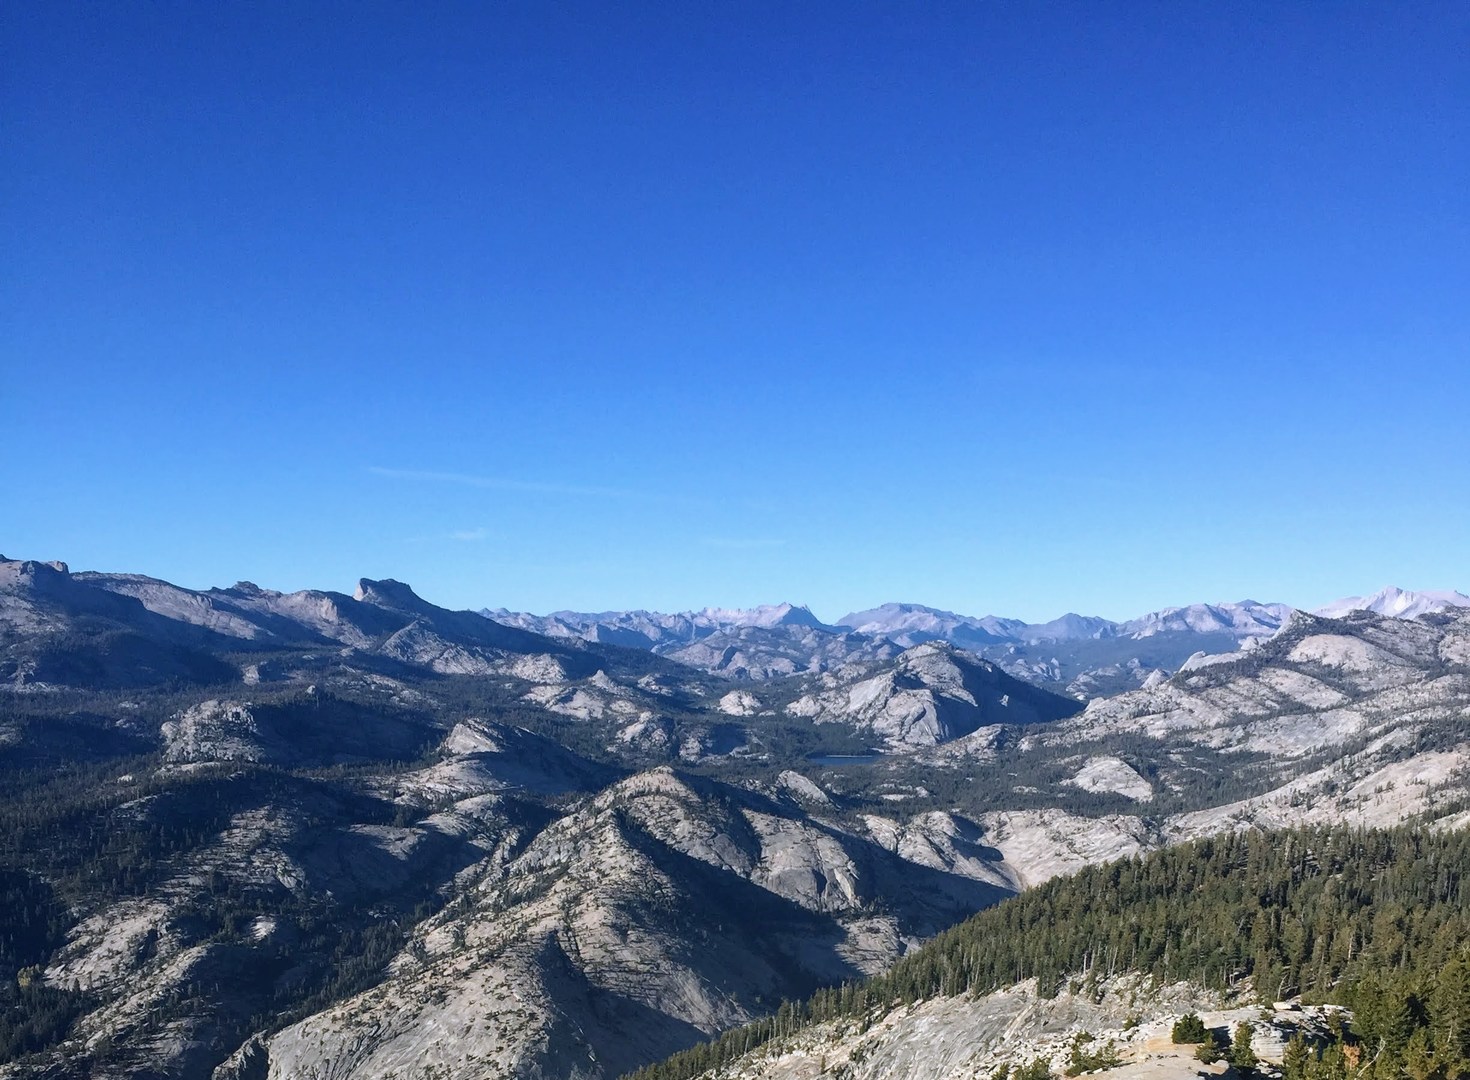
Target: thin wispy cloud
<point>504,483</point>
<point>456,536</point>
<point>741,543</point>
<point>542,487</point>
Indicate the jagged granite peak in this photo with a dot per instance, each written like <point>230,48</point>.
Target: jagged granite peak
<point>389,593</point>
<point>13,571</point>
<point>1399,603</point>
<point>33,576</point>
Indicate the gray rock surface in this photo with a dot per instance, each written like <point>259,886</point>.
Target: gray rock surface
<point>964,1038</point>
<point>931,694</point>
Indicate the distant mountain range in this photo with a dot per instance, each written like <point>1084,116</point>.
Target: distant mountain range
<point>911,624</point>
<point>914,624</point>
<point>759,643</point>
<point>651,629</point>
<point>1086,654</point>
<point>142,630</point>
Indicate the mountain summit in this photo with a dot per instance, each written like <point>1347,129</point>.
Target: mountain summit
<point>766,616</point>
<point>1399,603</point>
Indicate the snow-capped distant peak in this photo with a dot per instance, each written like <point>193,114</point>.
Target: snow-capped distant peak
<point>1070,627</point>
<point>1244,619</point>
<point>1399,603</point>
<point>765,615</point>
<point>910,624</point>
<point>888,617</point>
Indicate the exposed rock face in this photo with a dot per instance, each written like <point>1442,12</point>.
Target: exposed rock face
<point>38,596</point>
<point>1086,655</point>
<point>1320,683</point>
<point>1106,773</point>
<point>551,965</point>
<point>597,698</point>
<point>218,731</point>
<point>1385,701</point>
<point>151,961</point>
<point>932,694</point>
<point>57,629</point>
<point>914,624</point>
<point>1374,792</point>
<point>801,789</point>
<point>756,652</point>
<point>1042,844</point>
<point>950,843</point>
<point>312,729</point>
<point>960,1038</point>
<point>740,703</point>
<point>1246,619</point>
<point>482,757</point>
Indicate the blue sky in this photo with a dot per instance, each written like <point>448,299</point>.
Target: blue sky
<point>1011,308</point>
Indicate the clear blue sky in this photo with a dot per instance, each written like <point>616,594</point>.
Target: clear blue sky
<point>1011,308</point>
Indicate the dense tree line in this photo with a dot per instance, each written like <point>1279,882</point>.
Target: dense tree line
<point>32,923</point>
<point>97,652</point>
<point>1411,1022</point>
<point>1373,919</point>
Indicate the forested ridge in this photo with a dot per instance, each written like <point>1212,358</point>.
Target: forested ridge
<point>1378,920</point>
<point>72,840</point>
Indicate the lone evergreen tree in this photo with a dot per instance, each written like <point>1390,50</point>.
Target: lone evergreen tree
<point>1241,1055</point>
<point>1189,1028</point>
<point>1209,1052</point>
